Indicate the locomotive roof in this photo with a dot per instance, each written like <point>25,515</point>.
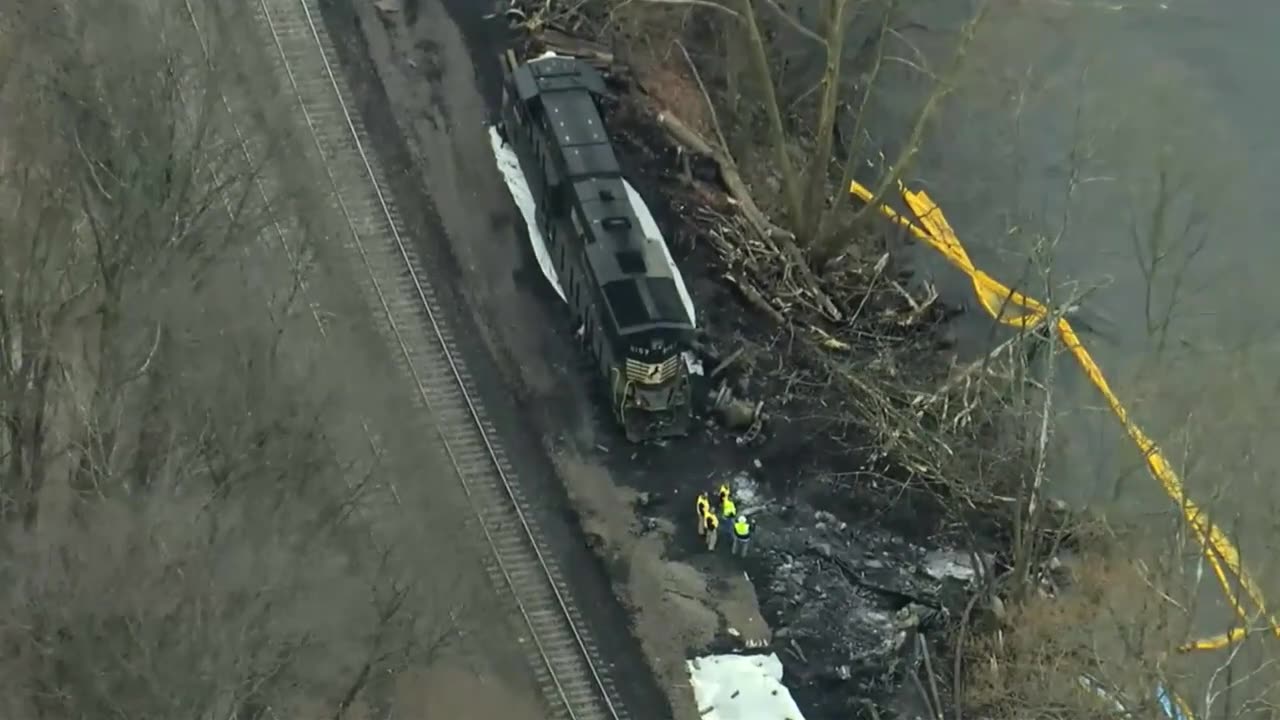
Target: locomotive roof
<point>632,269</point>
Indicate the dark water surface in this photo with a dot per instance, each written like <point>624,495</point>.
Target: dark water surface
<point>1164,117</point>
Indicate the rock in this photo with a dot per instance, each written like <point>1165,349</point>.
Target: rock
<point>739,415</point>
<point>648,500</point>
<point>940,565</point>
<point>998,612</point>
<point>907,617</point>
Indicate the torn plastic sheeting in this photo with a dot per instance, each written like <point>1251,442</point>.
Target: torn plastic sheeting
<point>509,165</point>
<point>741,687</point>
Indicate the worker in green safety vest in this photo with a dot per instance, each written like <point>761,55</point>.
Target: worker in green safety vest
<point>741,535</point>
<point>727,508</point>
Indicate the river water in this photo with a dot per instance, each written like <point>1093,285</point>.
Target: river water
<point>1111,133</point>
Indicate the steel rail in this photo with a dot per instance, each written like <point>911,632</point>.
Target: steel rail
<point>580,700</point>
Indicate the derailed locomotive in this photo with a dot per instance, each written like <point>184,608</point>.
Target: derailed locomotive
<point>620,284</point>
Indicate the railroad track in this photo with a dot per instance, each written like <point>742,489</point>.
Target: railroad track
<point>566,662</point>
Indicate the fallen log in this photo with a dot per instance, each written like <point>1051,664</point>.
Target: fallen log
<point>725,363</point>
<point>779,239</point>
<point>756,300</point>
<point>562,43</point>
<point>694,142</point>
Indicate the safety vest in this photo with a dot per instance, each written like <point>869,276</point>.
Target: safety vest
<point>704,505</point>
<point>710,520</point>
<point>727,508</point>
<point>742,529</point>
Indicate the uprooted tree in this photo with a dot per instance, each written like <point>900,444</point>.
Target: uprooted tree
<point>183,536</point>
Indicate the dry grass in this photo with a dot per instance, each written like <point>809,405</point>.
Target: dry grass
<point>649,36</point>
<point>1111,624</point>
<point>669,82</point>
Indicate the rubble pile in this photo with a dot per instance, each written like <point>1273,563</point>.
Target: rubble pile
<point>846,602</point>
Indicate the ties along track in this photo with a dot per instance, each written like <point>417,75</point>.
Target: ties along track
<point>566,662</point>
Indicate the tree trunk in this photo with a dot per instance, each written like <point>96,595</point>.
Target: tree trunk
<point>777,133</point>
<point>814,195</point>
<point>830,243</point>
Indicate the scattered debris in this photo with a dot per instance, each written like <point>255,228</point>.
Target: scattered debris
<point>849,604</point>
<point>725,363</point>
<point>736,414</point>
<point>849,601</point>
<point>939,565</point>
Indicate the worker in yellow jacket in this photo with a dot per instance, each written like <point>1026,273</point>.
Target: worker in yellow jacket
<point>727,507</point>
<point>703,505</point>
<point>711,529</point>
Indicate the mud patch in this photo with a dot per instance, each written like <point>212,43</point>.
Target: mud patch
<point>679,607</point>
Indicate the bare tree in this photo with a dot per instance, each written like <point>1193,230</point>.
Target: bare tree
<point>807,192</point>
<point>187,531</point>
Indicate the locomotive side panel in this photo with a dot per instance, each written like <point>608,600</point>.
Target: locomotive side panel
<point>560,228</point>
<point>617,281</point>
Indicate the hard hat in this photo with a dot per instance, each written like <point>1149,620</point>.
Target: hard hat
<point>743,518</point>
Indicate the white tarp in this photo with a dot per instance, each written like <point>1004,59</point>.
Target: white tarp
<point>741,687</point>
<point>509,166</point>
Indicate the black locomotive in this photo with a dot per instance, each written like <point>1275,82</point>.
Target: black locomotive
<point>619,283</point>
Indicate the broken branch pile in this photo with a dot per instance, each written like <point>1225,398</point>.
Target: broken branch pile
<point>868,336</point>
